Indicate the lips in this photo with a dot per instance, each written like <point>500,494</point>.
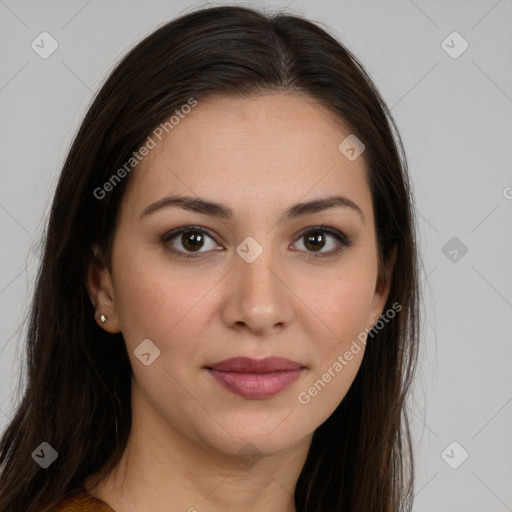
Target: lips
<point>248,365</point>
<point>256,378</point>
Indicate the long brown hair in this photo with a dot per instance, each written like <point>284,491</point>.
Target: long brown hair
<point>77,394</point>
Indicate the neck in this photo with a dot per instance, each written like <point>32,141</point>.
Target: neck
<point>162,469</point>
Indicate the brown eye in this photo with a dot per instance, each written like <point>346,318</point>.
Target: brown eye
<point>188,242</point>
<point>314,240</point>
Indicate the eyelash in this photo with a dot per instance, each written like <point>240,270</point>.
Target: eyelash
<point>342,240</point>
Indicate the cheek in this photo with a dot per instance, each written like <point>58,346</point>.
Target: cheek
<point>147,304</point>
<point>346,310</point>
<point>345,306</point>
<point>150,307</point>
<point>351,305</point>
<point>165,303</point>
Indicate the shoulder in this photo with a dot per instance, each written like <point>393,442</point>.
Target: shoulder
<point>80,500</point>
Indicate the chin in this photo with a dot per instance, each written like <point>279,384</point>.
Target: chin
<point>251,437</point>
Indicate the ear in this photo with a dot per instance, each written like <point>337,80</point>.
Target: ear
<point>101,292</point>
<point>383,286</point>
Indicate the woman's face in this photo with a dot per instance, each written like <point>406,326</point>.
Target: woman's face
<point>263,280</point>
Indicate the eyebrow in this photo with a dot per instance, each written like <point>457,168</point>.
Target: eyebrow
<point>205,207</point>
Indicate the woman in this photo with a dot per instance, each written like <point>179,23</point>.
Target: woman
<point>226,313</point>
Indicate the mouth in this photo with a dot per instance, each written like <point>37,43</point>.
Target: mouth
<point>256,378</point>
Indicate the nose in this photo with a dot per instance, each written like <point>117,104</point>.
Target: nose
<point>258,299</point>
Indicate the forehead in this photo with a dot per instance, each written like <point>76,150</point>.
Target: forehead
<point>276,148</point>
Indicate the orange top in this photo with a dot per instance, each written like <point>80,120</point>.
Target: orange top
<point>81,501</point>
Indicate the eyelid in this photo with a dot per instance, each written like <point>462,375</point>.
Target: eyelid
<point>324,229</point>
<point>190,227</point>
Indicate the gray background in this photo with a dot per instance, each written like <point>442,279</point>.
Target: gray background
<point>454,115</point>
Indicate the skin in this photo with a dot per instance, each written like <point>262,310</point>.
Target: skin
<point>258,156</point>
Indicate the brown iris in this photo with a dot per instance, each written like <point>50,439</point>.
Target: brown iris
<point>192,240</point>
<point>315,241</point>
